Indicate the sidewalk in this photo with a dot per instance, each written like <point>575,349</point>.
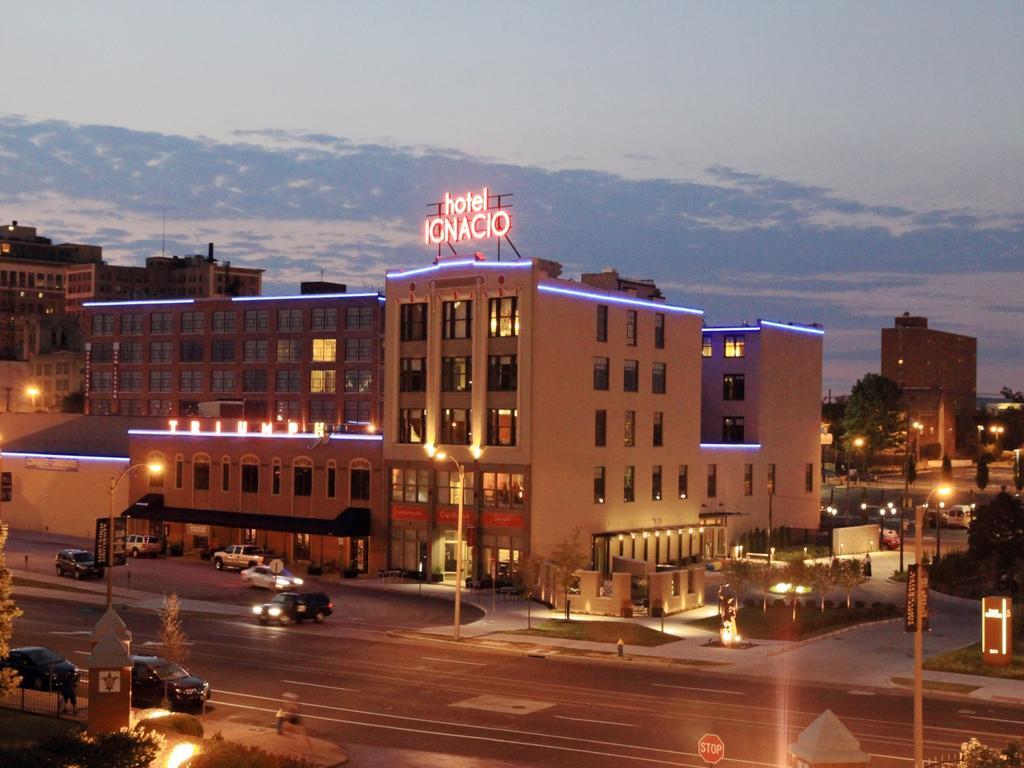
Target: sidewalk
<point>321,753</point>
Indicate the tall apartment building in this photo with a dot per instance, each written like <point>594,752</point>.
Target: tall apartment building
<point>574,406</point>
<point>307,359</point>
<point>939,375</point>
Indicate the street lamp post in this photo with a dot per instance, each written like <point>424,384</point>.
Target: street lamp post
<point>155,468</point>
<point>997,430</point>
<point>832,512</point>
<point>918,629</point>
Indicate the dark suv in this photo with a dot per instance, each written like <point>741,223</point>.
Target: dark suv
<point>40,668</point>
<point>77,563</point>
<point>153,677</point>
<point>295,606</point>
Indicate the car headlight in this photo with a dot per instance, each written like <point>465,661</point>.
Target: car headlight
<point>297,580</point>
<point>275,611</point>
<point>257,609</point>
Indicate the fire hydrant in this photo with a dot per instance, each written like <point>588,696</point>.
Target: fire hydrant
<point>621,645</point>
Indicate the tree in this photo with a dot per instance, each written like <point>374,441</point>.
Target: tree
<point>1011,395</point>
<point>849,574</point>
<point>764,577</point>
<point>9,679</point>
<point>873,413</point>
<point>947,469</point>
<point>821,579</point>
<point>73,403</point>
<point>738,573</point>
<point>997,530</point>
<point>911,469</point>
<point>974,754</point>
<point>981,476</point>
<point>567,560</point>
<point>1018,471</point>
<point>172,636</point>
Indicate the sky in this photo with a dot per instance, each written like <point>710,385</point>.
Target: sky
<point>839,163</point>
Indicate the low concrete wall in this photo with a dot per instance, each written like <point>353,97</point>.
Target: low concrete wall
<point>855,539</point>
<point>675,591</point>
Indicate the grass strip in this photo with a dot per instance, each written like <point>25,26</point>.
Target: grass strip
<point>596,632</point>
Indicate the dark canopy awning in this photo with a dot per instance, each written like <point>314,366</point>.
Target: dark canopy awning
<point>353,521</point>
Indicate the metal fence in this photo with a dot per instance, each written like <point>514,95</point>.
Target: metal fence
<point>944,761</point>
<point>62,704</point>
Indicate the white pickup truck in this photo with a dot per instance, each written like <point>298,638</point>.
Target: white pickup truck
<point>238,556</point>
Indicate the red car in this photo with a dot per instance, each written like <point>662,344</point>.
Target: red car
<point>889,539</point>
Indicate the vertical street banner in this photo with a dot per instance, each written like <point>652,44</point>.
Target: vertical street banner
<point>916,572</point>
<point>103,553</point>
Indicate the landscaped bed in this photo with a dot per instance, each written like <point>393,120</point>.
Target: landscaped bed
<point>967,661</point>
<point>597,632</point>
<point>777,622</point>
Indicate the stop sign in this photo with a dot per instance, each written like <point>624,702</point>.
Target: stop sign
<point>710,748</point>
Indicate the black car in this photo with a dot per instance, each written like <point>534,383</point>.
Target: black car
<point>295,606</point>
<point>153,677</point>
<point>40,668</point>
<point>77,563</point>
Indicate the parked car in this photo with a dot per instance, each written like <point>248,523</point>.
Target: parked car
<point>238,556</point>
<point>262,576</point>
<point>39,667</point>
<point>295,606</point>
<point>153,677</point>
<point>889,539</point>
<point>77,563</point>
<point>137,544</point>
<point>958,516</point>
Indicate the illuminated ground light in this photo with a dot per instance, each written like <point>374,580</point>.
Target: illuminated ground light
<point>181,753</point>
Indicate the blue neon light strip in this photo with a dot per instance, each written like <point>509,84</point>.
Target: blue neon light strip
<point>295,436</point>
<point>603,297</point>
<point>736,446</point>
<point>465,263</point>
<point>137,303</point>
<point>306,296</point>
<point>19,454</point>
<point>797,328</point>
<point>737,329</point>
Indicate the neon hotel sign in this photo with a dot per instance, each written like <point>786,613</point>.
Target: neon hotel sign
<point>466,217</point>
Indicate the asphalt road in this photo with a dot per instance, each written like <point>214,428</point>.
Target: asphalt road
<point>396,702</point>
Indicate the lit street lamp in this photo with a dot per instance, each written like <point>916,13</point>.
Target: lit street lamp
<point>34,392</point>
<point>858,443</point>
<point>155,468</point>
<point>832,512</point>
<point>997,430</point>
<point>441,456</point>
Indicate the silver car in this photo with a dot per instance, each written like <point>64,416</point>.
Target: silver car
<point>261,576</point>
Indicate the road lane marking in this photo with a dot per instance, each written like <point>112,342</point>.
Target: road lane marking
<point>76,632</point>
<point>454,661</point>
<point>602,722</point>
<point>996,720</point>
<point>703,690</point>
<point>318,685</point>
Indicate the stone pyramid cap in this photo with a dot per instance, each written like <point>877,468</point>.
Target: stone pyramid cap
<point>111,622</point>
<point>827,741</point>
<point>109,653</point>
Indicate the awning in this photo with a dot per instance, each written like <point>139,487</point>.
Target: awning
<point>352,521</point>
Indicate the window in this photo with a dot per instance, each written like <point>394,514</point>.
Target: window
<point>130,352</point>
<point>190,352</point>
<point>359,483</point>
<point>192,322</point>
<point>659,330</point>
<point>256,320</point>
<point>601,373</point>
<point>658,431</point>
<point>100,352</point>
<point>130,381</point>
<point>412,425</point>
<point>102,325</point>
<point>357,350</point>
<point>302,477</point>
<point>356,411</point>
<point>599,485</point>
<point>287,410</point>
<point>456,374</point>
<point>254,381</point>
<point>733,386</point>
<point>504,317</point>
<point>456,428</point>
<point>602,322</point>
<point>159,351</point>
<point>190,381</point>
<point>656,482</point>
<point>600,428</point>
<point>323,411</point>
<point>712,480</point>
<point>223,322</point>
<point>684,483</point>
<point>502,489</point>
<point>222,350</point>
<point>225,474</point>
<point>159,407</point>
<point>456,319</point>
<point>289,350</point>
<point>222,381</point>
<point>748,479</point>
<point>771,479</point>
<point>324,319</point>
<point>732,429</point>
<point>502,373</point>
<point>448,488</point>
<point>413,322</point>
<point>254,351</point>
<point>161,322</point>
<point>630,376</point>
<point>131,324</point>
<point>658,379</point>
<point>410,485</point>
<point>322,382</point>
<point>629,430</point>
<point>250,475</point>
<point>275,477</point>
<point>179,471</point>
<point>631,327</point>
<point>102,381</point>
<point>629,484</point>
<point>501,426</point>
<point>289,319</point>
<point>705,345</point>
<point>332,480</point>
<point>358,380</point>
<point>413,374</point>
<point>734,346</point>
<point>359,318</point>
<point>201,472</point>
<point>159,381</point>
<point>809,478</point>
<point>325,350</point>
<point>287,380</point>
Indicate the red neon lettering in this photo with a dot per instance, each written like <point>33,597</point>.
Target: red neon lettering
<point>466,217</point>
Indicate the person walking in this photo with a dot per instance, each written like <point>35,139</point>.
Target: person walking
<point>867,565</point>
<point>68,694</point>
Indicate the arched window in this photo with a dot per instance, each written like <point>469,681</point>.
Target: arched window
<point>332,479</point>
<point>302,476</point>
<point>225,473</point>
<point>156,479</point>
<point>275,477</point>
<point>359,481</point>
<point>179,470</point>
<point>250,473</point>
<point>201,472</point>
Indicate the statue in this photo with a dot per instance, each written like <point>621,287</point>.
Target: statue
<point>727,608</point>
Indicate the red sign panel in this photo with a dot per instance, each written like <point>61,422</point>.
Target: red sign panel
<point>443,515</point>
<point>503,520</point>
<point>710,748</point>
<point>408,513</point>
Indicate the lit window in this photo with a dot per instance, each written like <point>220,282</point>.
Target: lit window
<point>735,346</point>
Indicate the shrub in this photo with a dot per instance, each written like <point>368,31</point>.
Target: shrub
<point>177,724</point>
<point>876,604</point>
<point>314,570</point>
<point>749,602</point>
<point>829,604</point>
<point>176,549</point>
<point>218,753</point>
<point>859,604</point>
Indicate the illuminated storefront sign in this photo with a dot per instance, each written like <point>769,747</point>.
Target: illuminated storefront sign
<point>470,216</point>
<point>996,631</point>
